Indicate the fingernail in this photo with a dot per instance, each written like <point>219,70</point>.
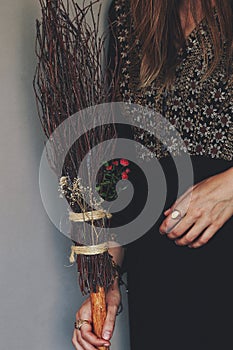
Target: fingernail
<point>105,344</point>
<point>107,335</point>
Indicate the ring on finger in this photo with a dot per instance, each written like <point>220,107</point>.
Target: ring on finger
<point>79,323</point>
<point>176,214</point>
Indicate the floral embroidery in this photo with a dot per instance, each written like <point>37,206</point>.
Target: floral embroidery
<point>201,111</point>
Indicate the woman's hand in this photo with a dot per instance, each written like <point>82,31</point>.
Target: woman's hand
<point>203,209</point>
<point>85,339</point>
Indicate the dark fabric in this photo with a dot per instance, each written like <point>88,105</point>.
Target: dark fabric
<point>179,298</point>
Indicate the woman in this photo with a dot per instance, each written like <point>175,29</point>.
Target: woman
<point>176,57</point>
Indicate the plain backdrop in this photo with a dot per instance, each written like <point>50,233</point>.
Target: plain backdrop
<point>39,294</point>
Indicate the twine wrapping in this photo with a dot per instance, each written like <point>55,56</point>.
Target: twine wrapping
<point>89,215</point>
<point>93,249</point>
<point>87,250</point>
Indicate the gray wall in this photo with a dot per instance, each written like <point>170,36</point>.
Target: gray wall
<point>39,295</point>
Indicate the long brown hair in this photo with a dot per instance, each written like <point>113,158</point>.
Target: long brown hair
<point>158,26</point>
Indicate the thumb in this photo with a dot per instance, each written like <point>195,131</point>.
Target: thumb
<point>109,323</point>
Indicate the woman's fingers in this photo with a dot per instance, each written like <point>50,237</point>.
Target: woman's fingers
<point>109,323</point>
<point>113,300</point>
<point>193,233</point>
<point>198,214</point>
<point>177,214</point>
<point>187,194</point>
<point>197,227</point>
<point>86,334</point>
<point>204,237</point>
<point>213,228</point>
<point>175,223</point>
<point>75,343</point>
<point>84,338</point>
<point>84,344</point>
<point>181,227</point>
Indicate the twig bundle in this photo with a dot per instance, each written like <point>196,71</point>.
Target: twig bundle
<point>72,74</point>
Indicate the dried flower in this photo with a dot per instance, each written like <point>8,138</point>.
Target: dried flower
<point>124,162</point>
<point>124,175</point>
<point>113,172</point>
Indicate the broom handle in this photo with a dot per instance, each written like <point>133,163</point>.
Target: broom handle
<point>99,312</point>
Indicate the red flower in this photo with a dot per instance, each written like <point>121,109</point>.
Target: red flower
<point>109,167</point>
<point>124,175</point>
<point>124,162</point>
<point>127,170</point>
<point>115,162</point>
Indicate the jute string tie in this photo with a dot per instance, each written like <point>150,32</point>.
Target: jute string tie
<point>87,250</point>
<point>93,249</point>
<point>89,215</point>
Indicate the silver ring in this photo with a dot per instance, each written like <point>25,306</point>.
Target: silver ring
<point>176,214</point>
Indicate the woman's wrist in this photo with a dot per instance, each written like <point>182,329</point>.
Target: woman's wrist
<point>115,283</point>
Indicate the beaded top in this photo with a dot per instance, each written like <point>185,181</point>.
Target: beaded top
<point>200,110</point>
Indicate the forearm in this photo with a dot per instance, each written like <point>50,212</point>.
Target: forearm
<point>117,252</point>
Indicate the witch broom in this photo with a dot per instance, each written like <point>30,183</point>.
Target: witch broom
<point>69,78</point>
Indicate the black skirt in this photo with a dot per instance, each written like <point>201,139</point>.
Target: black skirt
<point>180,298</point>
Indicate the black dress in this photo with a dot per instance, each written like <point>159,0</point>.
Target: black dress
<point>179,298</point>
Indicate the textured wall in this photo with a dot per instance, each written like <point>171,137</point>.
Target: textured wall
<point>39,295</point>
